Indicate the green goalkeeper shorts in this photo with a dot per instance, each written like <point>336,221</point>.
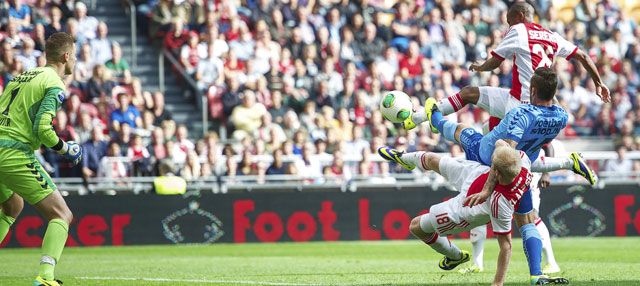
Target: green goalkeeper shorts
<point>21,173</point>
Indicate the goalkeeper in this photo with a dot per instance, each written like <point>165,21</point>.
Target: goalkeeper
<point>27,108</point>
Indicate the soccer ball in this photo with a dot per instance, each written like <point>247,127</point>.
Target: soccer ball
<point>396,106</point>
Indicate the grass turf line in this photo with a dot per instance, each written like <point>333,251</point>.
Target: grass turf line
<point>585,261</point>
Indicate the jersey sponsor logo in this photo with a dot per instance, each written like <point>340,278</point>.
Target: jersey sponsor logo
<point>26,76</point>
<point>5,122</point>
<point>61,96</point>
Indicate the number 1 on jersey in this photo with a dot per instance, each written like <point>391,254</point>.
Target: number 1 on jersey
<point>14,93</point>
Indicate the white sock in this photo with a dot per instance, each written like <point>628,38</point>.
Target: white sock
<point>420,116</point>
<point>478,237</point>
<point>443,246</point>
<point>450,104</point>
<point>416,158</point>
<point>546,242</point>
<point>547,164</point>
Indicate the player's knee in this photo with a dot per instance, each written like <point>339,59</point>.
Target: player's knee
<point>522,219</point>
<point>63,213</point>
<point>415,228</point>
<point>433,160</point>
<point>470,94</point>
<point>13,206</point>
<point>68,216</point>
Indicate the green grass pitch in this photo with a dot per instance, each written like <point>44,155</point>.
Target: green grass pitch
<point>585,261</point>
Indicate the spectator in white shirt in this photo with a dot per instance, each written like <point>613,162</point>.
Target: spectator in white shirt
<point>451,51</point>
<point>620,165</point>
<point>388,63</point>
<point>220,47</point>
<point>615,46</point>
<point>244,46</point>
<point>210,71</point>
<point>111,166</point>
<point>84,67</point>
<point>29,56</point>
<point>307,166</point>
<point>192,52</point>
<point>101,46</point>
<point>575,95</point>
<point>491,9</point>
<point>88,24</point>
<point>183,145</point>
<point>334,80</point>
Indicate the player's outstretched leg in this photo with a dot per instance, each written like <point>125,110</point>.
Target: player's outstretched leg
<point>425,161</point>
<point>449,105</point>
<point>393,155</point>
<point>11,209</point>
<point>550,260</point>
<point>478,235</point>
<point>574,162</point>
<point>422,228</point>
<point>54,208</point>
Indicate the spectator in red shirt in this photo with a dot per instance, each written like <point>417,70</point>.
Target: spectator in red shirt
<point>410,67</point>
<point>233,65</point>
<point>176,37</point>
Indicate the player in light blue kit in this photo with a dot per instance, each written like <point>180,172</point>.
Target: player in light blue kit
<point>526,127</point>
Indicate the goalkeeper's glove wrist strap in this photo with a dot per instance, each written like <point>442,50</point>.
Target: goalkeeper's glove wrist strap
<point>61,147</point>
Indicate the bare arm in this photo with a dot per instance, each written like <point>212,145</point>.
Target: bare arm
<point>491,182</point>
<point>490,64</point>
<point>545,179</point>
<point>601,90</point>
<point>503,259</point>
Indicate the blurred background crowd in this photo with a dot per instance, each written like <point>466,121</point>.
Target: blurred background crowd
<point>296,81</point>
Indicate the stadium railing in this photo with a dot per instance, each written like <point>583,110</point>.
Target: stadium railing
<point>131,9</point>
<point>204,101</point>
<point>286,183</point>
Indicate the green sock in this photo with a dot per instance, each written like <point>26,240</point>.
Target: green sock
<point>5,223</point>
<point>52,245</point>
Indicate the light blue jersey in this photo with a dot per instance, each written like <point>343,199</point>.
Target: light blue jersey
<point>532,126</point>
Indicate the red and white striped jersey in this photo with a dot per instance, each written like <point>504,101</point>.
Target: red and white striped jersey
<point>451,217</point>
<point>531,47</point>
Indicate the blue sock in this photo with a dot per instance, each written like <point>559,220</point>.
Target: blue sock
<point>437,120</point>
<point>449,130</point>
<point>532,244</point>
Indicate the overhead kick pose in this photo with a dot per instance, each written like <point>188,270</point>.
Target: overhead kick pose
<point>531,47</point>
<point>527,128</point>
<point>511,169</point>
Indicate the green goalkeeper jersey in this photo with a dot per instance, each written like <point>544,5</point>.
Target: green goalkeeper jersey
<point>27,108</point>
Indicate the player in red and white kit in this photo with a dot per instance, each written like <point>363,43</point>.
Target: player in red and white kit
<point>478,235</point>
<point>529,46</point>
<point>452,217</point>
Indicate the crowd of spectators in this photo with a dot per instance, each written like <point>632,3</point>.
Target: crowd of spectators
<point>320,68</point>
<point>303,79</point>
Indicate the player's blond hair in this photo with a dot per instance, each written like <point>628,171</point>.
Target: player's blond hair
<point>57,45</point>
<point>507,161</point>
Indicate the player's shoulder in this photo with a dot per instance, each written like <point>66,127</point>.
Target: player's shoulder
<point>524,159</point>
<point>517,29</point>
<point>50,77</point>
<point>559,110</point>
<point>525,109</point>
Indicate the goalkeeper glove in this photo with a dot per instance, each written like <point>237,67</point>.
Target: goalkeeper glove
<point>72,151</point>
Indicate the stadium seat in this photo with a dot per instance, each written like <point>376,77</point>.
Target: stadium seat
<point>565,9</point>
